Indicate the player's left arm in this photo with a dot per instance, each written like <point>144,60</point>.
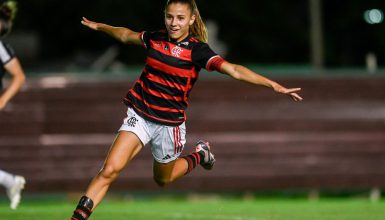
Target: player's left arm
<point>242,73</point>
<point>14,68</point>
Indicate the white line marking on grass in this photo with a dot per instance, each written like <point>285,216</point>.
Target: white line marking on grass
<point>212,217</point>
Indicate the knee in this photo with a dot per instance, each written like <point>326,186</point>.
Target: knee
<point>109,172</point>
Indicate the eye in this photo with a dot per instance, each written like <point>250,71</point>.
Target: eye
<point>168,16</point>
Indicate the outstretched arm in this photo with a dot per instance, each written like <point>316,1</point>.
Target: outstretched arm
<point>14,68</point>
<point>122,34</point>
<point>244,74</point>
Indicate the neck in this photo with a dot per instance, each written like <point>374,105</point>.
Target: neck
<point>179,39</point>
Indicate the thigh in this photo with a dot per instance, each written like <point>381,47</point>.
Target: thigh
<point>137,125</point>
<point>124,148</point>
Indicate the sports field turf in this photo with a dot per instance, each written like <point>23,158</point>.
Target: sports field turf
<point>259,209</point>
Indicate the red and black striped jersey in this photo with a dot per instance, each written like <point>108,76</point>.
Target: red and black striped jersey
<point>161,93</point>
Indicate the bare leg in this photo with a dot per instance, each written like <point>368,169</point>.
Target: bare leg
<point>165,173</point>
<point>123,150</point>
<point>168,172</point>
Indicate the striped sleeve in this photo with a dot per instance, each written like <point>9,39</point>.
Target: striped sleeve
<point>142,38</point>
<point>6,53</point>
<point>215,63</point>
<point>145,37</point>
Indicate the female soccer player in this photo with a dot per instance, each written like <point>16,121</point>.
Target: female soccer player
<point>10,64</point>
<point>159,98</point>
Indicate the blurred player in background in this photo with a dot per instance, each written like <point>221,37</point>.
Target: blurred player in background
<point>10,64</point>
<point>159,98</point>
<point>13,184</point>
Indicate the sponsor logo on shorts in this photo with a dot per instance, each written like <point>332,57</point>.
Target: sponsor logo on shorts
<point>132,121</point>
<point>166,157</point>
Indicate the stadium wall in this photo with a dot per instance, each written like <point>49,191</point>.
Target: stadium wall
<point>58,130</point>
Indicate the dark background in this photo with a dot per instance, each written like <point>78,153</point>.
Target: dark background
<point>262,32</point>
<point>333,140</point>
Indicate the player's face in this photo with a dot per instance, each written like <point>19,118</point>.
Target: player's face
<point>178,18</point>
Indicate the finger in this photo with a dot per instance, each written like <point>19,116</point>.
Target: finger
<point>86,22</point>
<point>292,90</point>
<point>296,97</point>
<point>83,22</point>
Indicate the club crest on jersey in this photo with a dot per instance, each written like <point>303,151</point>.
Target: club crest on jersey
<point>176,51</point>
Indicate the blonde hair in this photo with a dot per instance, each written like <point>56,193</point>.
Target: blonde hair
<point>198,29</point>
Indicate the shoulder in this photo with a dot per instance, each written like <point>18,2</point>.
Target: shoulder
<point>194,40</point>
<point>197,45</point>
<point>6,52</point>
<point>156,35</point>
<point>148,36</point>
<point>4,44</point>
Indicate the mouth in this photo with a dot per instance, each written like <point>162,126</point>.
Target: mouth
<point>173,30</point>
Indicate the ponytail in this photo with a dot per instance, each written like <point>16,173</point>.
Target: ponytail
<point>198,29</point>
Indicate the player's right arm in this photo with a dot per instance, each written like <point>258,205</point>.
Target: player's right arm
<point>122,34</point>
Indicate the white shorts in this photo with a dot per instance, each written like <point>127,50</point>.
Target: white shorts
<point>167,142</point>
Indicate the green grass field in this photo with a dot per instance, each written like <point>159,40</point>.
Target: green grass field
<point>233,209</point>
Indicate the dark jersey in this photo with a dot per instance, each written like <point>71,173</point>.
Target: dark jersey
<point>161,93</point>
<point>6,55</point>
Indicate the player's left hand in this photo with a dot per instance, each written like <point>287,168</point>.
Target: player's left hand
<point>292,92</point>
<point>90,24</point>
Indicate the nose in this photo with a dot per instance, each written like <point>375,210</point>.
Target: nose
<point>173,22</point>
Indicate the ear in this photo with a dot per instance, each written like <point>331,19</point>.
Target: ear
<point>192,20</point>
